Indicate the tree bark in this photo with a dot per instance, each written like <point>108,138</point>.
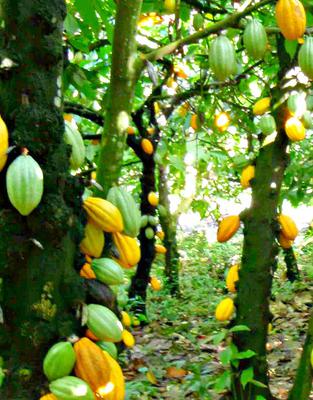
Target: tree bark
<point>258,261</point>
<point>291,265</point>
<point>40,288</point>
<point>119,100</point>
<point>169,227</point>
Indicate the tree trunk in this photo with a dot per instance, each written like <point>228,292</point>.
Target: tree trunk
<point>291,265</point>
<point>40,288</point>
<point>169,227</point>
<point>140,280</point>
<point>258,261</point>
<point>119,100</point>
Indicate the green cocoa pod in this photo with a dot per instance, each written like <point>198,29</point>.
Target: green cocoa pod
<point>198,22</point>
<point>152,220</point>
<point>75,140</point>
<point>103,323</point>
<point>307,120</point>
<point>109,347</point>
<point>144,221</point>
<point>128,208</point>
<point>296,104</point>
<point>267,124</point>
<point>162,211</point>
<point>24,182</point>
<point>149,232</point>
<point>222,58</point>
<point>107,271</point>
<point>305,57</point>
<point>71,388</point>
<point>59,361</point>
<point>255,39</point>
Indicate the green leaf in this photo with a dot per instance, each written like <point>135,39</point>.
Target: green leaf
<point>246,376</point>
<point>226,356</point>
<point>240,328</point>
<point>219,337</point>
<point>223,382</point>
<point>88,13</point>
<point>260,398</point>
<point>291,47</point>
<point>258,384</point>
<point>245,354</point>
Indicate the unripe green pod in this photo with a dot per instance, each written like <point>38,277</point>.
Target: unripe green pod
<point>267,124</point>
<point>305,57</point>
<point>152,220</point>
<point>71,388</point>
<point>162,211</point>
<point>144,221</point>
<point>73,137</point>
<point>59,361</point>
<point>223,58</point>
<point>149,232</point>
<point>296,104</point>
<point>108,347</point>
<point>198,22</point>
<point>307,120</point>
<point>255,39</point>
<point>107,271</point>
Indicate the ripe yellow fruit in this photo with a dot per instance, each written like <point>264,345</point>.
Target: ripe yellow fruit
<point>227,228</point>
<point>160,235</point>
<point>284,242</point>
<point>294,129</point>
<point>147,146</point>
<point>87,272</point>
<point>232,277</point>
<point>246,175</point>
<point>153,199</point>
<point>4,143</point>
<point>261,106</point>
<point>160,249</point>
<point>194,122</point>
<point>128,338</point>
<point>150,131</point>
<point>170,5</point>
<point>291,18</point>
<point>225,309</point>
<point>183,109</point>
<point>93,241</point>
<point>126,320</point>
<point>222,121</point>
<point>48,396</point>
<point>128,250</point>
<point>104,214</point>
<point>288,227</point>
<point>130,130</point>
<point>155,283</point>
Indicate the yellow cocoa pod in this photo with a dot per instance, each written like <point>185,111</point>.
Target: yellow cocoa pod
<point>288,227</point>
<point>4,143</point>
<point>115,388</point>
<point>284,242</point>
<point>126,320</point>
<point>295,129</point>
<point>170,5</point>
<point>183,109</point>
<point>104,214</point>
<point>227,228</point>
<point>160,235</point>
<point>128,250</point>
<point>246,175</point>
<point>232,277</point>
<point>147,146</point>
<point>93,241</point>
<point>87,272</point>
<point>128,338</point>
<point>261,106</point>
<point>48,396</point>
<point>155,283</point>
<point>160,249</point>
<point>225,309</point>
<point>130,130</point>
<point>194,122</point>
<point>291,18</point>
<point>153,199</point>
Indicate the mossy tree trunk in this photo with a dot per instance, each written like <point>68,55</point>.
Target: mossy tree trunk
<point>41,289</point>
<point>291,264</point>
<point>118,102</point>
<point>169,226</point>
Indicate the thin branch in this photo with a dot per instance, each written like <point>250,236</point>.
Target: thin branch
<point>229,21</point>
<point>84,112</point>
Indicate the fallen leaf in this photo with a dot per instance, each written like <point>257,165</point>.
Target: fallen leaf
<point>173,372</point>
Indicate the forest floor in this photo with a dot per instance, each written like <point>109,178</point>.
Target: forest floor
<point>180,355</point>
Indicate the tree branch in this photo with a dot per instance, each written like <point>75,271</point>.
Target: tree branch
<point>84,112</point>
<point>229,21</point>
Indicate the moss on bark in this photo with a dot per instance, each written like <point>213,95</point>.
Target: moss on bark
<point>41,289</point>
